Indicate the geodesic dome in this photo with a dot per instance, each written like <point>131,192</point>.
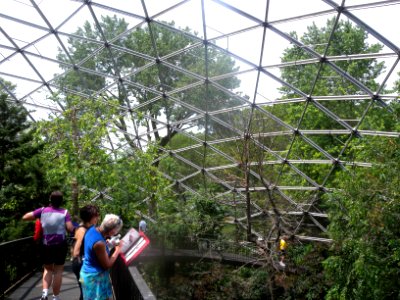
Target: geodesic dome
<point>222,75</point>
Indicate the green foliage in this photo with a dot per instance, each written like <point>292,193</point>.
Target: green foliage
<point>189,218</point>
<point>304,274</point>
<point>203,215</point>
<point>11,272</point>
<point>365,257</point>
<point>21,177</point>
<point>364,263</point>
<point>137,185</point>
<point>74,149</point>
<point>347,39</point>
<point>73,144</point>
<point>207,281</point>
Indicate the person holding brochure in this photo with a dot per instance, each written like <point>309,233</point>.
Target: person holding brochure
<point>94,275</point>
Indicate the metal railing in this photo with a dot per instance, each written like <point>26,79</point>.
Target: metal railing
<point>19,259</point>
<point>239,251</point>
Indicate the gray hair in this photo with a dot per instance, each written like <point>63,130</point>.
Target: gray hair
<point>110,222</point>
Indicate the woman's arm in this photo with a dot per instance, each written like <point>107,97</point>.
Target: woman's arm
<point>79,234</point>
<point>106,261</point>
<point>70,227</point>
<point>28,216</point>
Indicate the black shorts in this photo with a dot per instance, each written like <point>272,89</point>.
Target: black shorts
<point>77,266</point>
<point>54,254</point>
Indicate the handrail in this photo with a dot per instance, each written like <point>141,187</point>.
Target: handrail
<point>28,238</point>
<point>204,244</point>
<point>13,266</point>
<point>127,281</point>
<point>207,248</point>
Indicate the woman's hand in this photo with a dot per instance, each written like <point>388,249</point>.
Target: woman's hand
<point>118,247</point>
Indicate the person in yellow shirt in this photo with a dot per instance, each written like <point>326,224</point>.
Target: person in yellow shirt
<point>282,249</point>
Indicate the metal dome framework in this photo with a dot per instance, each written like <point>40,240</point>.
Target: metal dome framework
<point>32,31</point>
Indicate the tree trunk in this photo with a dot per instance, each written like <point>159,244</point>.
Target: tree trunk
<point>75,196</point>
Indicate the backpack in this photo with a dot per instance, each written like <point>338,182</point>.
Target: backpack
<point>82,249</point>
<point>38,234</point>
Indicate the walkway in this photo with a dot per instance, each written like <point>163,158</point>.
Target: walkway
<point>31,289</point>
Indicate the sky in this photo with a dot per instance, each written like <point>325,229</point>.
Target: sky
<point>286,15</point>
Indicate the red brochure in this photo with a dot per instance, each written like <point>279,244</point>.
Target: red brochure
<point>133,244</point>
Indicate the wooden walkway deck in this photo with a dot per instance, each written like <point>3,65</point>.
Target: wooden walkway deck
<point>31,289</point>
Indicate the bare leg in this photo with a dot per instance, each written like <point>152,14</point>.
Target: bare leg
<point>47,276</point>
<point>58,271</point>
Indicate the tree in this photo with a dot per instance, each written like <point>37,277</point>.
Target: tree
<point>76,158</point>
<point>21,178</point>
<point>347,39</point>
<point>159,79</point>
<point>365,257</point>
<point>343,266</point>
<point>73,151</point>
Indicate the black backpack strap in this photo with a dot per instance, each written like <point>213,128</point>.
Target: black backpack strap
<point>82,250</point>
